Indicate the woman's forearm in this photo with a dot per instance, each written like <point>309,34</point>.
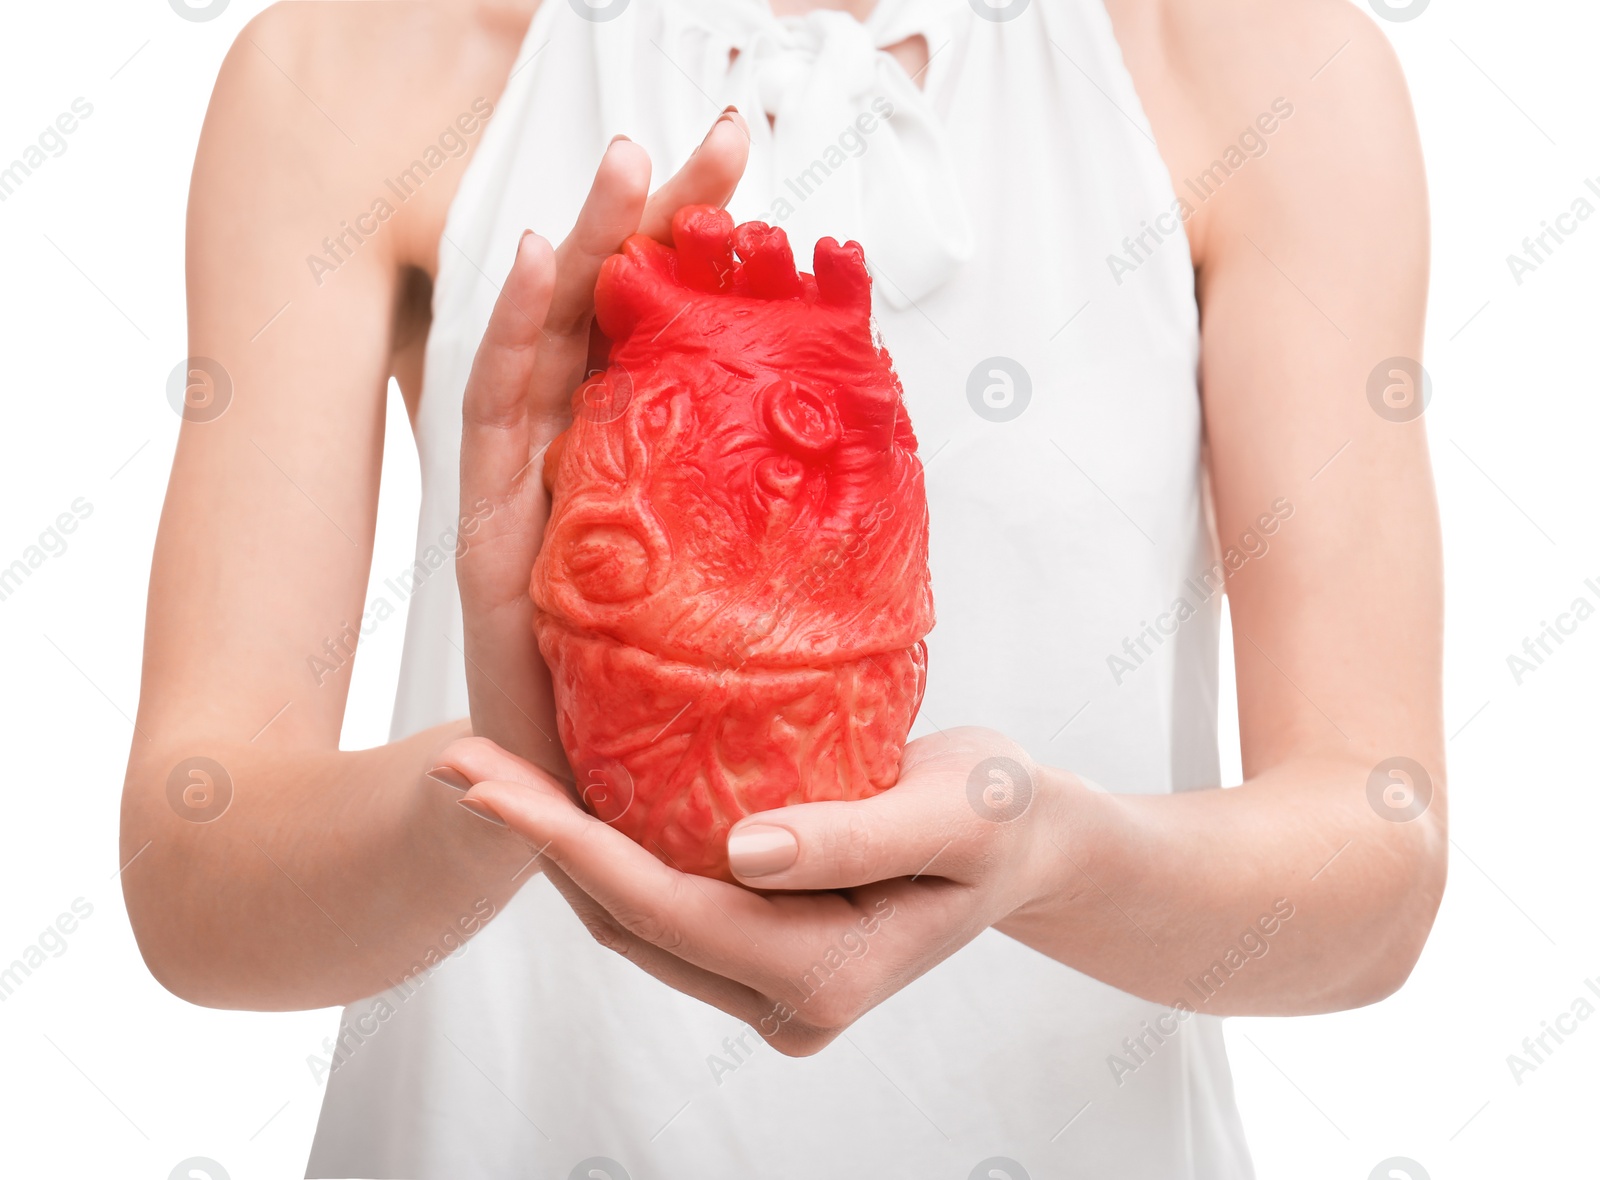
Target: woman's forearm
<point>1284,896</point>
<point>326,877</point>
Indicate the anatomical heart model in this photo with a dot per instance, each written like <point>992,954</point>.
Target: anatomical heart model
<point>733,588</point>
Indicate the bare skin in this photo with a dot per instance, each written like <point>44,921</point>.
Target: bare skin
<point>1311,267</point>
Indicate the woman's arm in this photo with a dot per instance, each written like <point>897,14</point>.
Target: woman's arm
<point>332,874</point>
<point>329,871</point>
<point>1312,273</point>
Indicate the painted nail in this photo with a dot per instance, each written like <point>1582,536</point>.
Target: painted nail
<point>450,777</point>
<point>727,115</point>
<point>760,850</point>
<point>482,812</point>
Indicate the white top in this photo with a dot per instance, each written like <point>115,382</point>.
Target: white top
<point>1066,517</point>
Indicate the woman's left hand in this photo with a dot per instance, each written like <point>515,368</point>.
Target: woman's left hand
<point>962,842</point>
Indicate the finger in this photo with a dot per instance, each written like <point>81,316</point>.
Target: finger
<point>710,924</point>
<point>928,825</point>
<point>609,215</point>
<point>792,1029</point>
<point>477,758</point>
<point>743,1003</point>
<point>708,177</point>
<point>473,760</point>
<point>795,958</point>
<point>498,535</point>
<point>833,972</point>
<point>493,407</point>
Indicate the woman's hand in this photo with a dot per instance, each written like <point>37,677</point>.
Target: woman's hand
<point>961,843</point>
<point>517,399</point>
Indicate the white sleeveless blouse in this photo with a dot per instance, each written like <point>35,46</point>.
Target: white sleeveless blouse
<point>1056,405</point>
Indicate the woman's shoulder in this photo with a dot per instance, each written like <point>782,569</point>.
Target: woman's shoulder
<point>1226,44</point>
<point>1216,59</point>
<point>1315,84</point>
<point>385,58</point>
<point>332,105</point>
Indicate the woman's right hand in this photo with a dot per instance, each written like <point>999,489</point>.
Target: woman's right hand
<point>518,398</point>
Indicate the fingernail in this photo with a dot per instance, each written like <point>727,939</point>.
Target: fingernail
<point>760,850</point>
<point>482,812</point>
<point>710,131</point>
<point>450,777</point>
<point>615,138</point>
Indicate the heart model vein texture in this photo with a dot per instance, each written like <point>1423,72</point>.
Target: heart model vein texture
<point>733,587</point>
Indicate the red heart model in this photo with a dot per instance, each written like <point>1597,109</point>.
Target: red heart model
<point>733,589</point>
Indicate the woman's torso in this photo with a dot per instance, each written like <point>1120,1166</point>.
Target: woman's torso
<point>1063,532</point>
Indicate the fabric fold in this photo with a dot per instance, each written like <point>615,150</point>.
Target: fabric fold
<point>850,146</point>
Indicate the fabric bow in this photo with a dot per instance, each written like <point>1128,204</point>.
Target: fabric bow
<point>853,148</point>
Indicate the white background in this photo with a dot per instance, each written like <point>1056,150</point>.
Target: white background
<point>107,1075</point>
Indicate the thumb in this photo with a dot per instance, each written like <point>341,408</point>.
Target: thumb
<point>910,830</point>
